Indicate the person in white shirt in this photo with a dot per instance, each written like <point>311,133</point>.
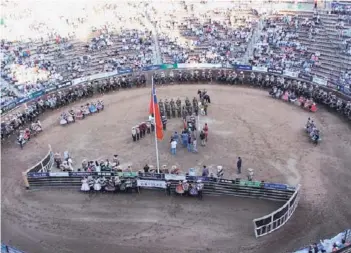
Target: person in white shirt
<point>173,147</point>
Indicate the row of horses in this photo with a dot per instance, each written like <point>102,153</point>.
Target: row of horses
<point>15,121</point>
<point>81,113</point>
<point>296,89</point>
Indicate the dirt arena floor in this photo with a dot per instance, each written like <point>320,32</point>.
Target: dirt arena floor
<point>267,134</point>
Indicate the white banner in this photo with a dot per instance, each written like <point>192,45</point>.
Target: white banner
<point>93,77</point>
<point>151,183</point>
<point>260,69</point>
<point>58,174</point>
<point>174,177</point>
<point>320,81</point>
<point>198,65</point>
<point>290,73</point>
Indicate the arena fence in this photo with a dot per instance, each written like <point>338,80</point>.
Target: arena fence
<point>40,176</point>
<point>330,84</point>
<point>271,222</point>
<point>43,166</point>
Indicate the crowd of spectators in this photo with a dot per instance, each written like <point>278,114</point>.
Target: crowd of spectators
<point>198,33</point>
<point>60,41</point>
<point>279,46</point>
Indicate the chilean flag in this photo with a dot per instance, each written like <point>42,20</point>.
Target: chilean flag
<point>157,116</point>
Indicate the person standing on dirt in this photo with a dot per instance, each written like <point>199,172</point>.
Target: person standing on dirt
<point>205,108</point>
<point>202,138</point>
<point>134,133</point>
<point>238,164</point>
<point>205,130</point>
<point>168,188</point>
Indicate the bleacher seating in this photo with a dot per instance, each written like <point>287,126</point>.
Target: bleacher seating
<point>64,42</point>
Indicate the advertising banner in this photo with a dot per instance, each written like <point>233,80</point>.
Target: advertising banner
<point>127,174</point>
<point>275,186</point>
<point>80,174</point>
<point>151,183</point>
<point>52,88</point>
<point>65,84</point>
<point>150,176</point>
<point>36,94</point>
<point>259,69</point>
<point>203,179</point>
<point>169,66</point>
<point>8,106</point>
<point>174,177</point>
<point>305,76</point>
<point>37,174</point>
<point>152,67</point>
<point>59,174</point>
<point>242,67</point>
<point>198,65</point>
<point>290,73</point>
<point>123,72</point>
<point>275,70</point>
<point>99,76</point>
<point>250,183</point>
<point>320,81</point>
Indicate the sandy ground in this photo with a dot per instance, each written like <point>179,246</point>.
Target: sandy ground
<point>266,133</point>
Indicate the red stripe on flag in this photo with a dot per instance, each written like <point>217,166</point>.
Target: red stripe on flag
<point>157,115</point>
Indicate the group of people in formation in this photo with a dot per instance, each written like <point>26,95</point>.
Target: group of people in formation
<point>81,113</point>
<point>188,189</point>
<point>312,130</point>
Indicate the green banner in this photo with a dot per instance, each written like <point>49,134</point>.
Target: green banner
<point>250,183</point>
<point>169,66</point>
<point>127,174</point>
<point>36,94</point>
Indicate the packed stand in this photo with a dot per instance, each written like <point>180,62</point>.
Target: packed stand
<point>201,34</point>
<point>65,42</point>
<point>279,46</point>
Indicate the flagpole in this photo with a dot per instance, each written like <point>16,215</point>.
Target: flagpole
<point>153,103</point>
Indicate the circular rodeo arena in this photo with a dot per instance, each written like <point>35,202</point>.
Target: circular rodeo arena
<point>266,133</point>
<point>175,126</point>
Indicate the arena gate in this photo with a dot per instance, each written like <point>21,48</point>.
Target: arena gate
<point>271,222</point>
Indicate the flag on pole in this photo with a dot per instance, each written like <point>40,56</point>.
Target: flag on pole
<point>154,109</point>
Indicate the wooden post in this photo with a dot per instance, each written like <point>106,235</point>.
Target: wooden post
<point>25,179</point>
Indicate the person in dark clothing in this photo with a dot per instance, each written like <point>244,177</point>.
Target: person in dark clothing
<point>205,171</point>
<point>146,168</point>
<point>238,164</point>
<point>205,109</point>
<point>164,122</point>
<point>168,188</point>
<point>202,138</point>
